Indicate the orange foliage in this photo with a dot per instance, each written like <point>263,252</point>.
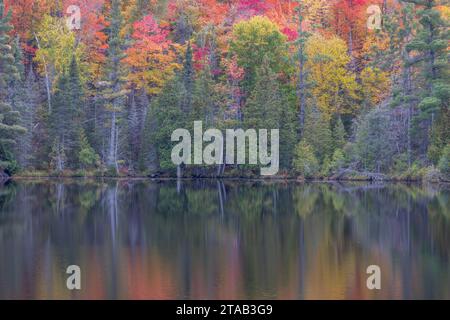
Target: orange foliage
<point>152,57</point>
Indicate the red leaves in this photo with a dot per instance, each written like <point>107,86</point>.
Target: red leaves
<point>234,71</point>
<point>152,57</point>
<point>147,32</point>
<point>250,8</point>
<point>290,33</point>
<point>200,56</point>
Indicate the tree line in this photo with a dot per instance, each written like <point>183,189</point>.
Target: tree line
<point>105,99</point>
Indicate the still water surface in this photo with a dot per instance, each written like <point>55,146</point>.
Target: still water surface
<point>223,240</point>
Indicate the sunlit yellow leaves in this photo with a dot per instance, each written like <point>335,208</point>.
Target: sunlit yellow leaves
<point>333,85</point>
<point>57,45</point>
<point>375,86</point>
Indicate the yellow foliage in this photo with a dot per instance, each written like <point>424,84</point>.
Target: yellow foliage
<point>151,69</point>
<point>375,85</point>
<point>57,45</point>
<point>334,86</point>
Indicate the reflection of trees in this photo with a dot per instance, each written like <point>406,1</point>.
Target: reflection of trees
<point>7,193</point>
<point>210,239</point>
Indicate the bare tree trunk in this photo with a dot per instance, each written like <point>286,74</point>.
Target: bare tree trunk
<point>47,78</point>
<point>116,147</point>
<point>350,50</point>
<point>112,160</point>
<point>59,160</point>
<point>407,88</point>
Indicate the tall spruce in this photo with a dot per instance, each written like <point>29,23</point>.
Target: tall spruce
<point>263,107</point>
<point>164,117</point>
<point>26,101</point>
<point>318,133</point>
<point>188,81</point>
<point>9,118</point>
<point>114,93</point>
<point>302,81</point>
<point>429,45</point>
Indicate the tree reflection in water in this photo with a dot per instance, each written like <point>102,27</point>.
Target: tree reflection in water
<point>223,239</point>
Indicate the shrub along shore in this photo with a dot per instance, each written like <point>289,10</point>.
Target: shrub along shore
<point>430,174</point>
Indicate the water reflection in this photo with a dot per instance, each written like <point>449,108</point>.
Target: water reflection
<point>223,240</point>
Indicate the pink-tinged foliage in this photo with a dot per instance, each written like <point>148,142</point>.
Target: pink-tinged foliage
<point>290,33</point>
<point>200,56</point>
<point>250,8</point>
<point>151,57</point>
<point>147,31</point>
<point>234,71</point>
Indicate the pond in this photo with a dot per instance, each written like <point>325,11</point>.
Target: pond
<point>212,239</point>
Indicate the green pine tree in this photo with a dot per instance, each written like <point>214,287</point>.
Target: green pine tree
<point>9,118</point>
<point>302,81</point>
<point>18,58</point>
<point>164,117</point>
<point>205,99</point>
<point>429,45</point>
<point>264,105</point>
<point>65,119</point>
<point>75,102</point>
<point>305,162</point>
<point>268,108</point>
<point>317,133</point>
<point>26,101</point>
<point>188,81</point>
<point>114,93</point>
<point>339,134</point>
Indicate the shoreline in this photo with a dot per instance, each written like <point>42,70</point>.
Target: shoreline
<point>289,179</point>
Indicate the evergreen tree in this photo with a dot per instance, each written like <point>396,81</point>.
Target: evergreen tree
<point>317,133</point>
<point>205,99</point>
<point>302,81</point>
<point>23,99</point>
<point>305,162</point>
<point>444,162</point>
<point>75,102</point>
<point>263,107</point>
<point>188,81</point>
<point>164,117</point>
<point>137,113</point>
<point>86,156</point>
<point>430,45</point>
<point>339,134</point>
<point>374,142</point>
<point>18,58</point>
<point>397,30</point>
<point>26,101</point>
<point>134,131</point>
<point>9,118</point>
<point>60,125</point>
<point>268,108</point>
<point>114,93</point>
<point>288,130</point>
<point>66,119</point>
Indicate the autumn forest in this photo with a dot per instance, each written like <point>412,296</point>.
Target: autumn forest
<point>358,88</point>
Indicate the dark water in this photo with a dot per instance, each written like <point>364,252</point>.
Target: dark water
<point>223,240</point>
